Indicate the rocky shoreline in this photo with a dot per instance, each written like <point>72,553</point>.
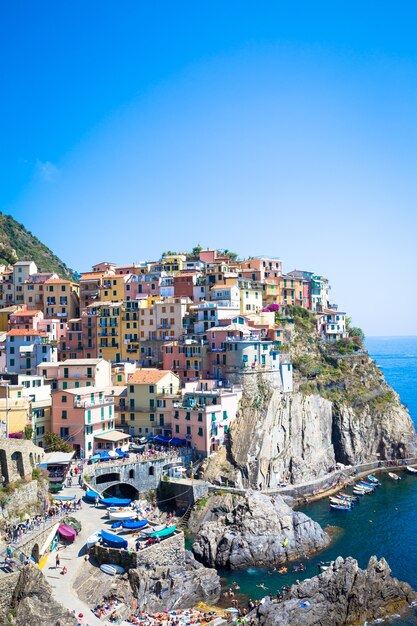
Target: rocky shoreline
<point>254,530</point>
<point>344,594</point>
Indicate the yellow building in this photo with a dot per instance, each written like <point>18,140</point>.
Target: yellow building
<point>109,331</point>
<point>149,402</point>
<point>130,331</point>
<point>113,288</point>
<point>250,296</point>
<point>4,317</point>
<point>170,263</point>
<point>15,410</point>
<point>61,299</point>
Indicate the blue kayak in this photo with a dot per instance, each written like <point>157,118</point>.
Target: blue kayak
<point>131,524</point>
<point>116,525</point>
<point>115,502</point>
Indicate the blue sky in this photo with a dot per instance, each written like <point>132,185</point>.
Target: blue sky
<point>285,129</point>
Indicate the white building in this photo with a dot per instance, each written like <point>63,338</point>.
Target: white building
<point>26,349</point>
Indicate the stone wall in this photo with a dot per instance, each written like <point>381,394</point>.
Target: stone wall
<point>168,552</point>
<point>18,457</point>
<point>125,558</point>
<point>27,498</point>
<point>179,494</point>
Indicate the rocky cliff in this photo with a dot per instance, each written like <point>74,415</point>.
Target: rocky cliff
<point>253,530</point>
<point>342,595</point>
<point>341,411</point>
<point>153,589</point>
<point>26,600</point>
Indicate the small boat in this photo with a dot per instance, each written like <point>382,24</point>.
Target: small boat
<point>114,541</point>
<point>323,567</point>
<point>364,488</point>
<point>359,492</point>
<point>347,496</point>
<point>283,570</point>
<point>118,502</point>
<point>363,483</point>
<point>133,525</point>
<point>116,525</point>
<point>146,532</point>
<point>112,569</point>
<point>394,476</point>
<point>67,532</point>
<point>45,548</point>
<point>340,507</point>
<point>73,522</point>
<point>91,496</point>
<point>411,470</point>
<point>93,539</point>
<point>373,480</point>
<point>116,516</point>
<point>165,532</point>
<point>340,501</point>
<point>63,498</point>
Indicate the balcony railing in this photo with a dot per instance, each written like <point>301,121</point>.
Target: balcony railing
<point>87,404</point>
<point>163,326</point>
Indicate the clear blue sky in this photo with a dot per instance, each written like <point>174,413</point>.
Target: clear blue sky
<point>276,128</point>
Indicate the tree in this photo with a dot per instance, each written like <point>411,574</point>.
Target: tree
<point>28,432</point>
<point>355,331</point>
<point>196,250</point>
<point>54,443</point>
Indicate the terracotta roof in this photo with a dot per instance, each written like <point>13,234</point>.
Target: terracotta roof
<point>21,332</point>
<point>56,280</point>
<point>90,275</point>
<point>147,376</point>
<point>24,313</point>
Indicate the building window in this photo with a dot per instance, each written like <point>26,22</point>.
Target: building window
<point>188,415</point>
<point>63,398</point>
<point>151,389</point>
<point>151,470</point>
<point>200,432</point>
<point>64,415</point>
<point>63,432</point>
<point>152,417</point>
<point>188,430</point>
<point>177,428</point>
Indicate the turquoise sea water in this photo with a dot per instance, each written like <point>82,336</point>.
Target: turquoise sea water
<point>384,524</point>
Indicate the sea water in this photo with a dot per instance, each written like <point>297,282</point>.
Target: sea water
<point>384,524</point>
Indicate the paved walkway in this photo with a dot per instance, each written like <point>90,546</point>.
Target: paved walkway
<point>73,557</point>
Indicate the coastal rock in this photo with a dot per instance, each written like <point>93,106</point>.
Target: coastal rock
<point>347,414</point>
<point>153,589</point>
<point>31,602</point>
<point>342,595</point>
<point>253,530</point>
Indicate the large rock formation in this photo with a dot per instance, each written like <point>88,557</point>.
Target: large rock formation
<point>342,411</point>
<point>153,589</point>
<point>30,602</point>
<point>253,530</point>
<point>342,595</point>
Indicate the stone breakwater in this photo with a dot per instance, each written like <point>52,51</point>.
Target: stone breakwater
<point>342,595</point>
<point>253,530</point>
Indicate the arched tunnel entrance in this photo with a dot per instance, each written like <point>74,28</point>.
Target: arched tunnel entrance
<point>35,553</point>
<point>121,490</point>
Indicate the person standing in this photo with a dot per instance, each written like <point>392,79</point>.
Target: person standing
<point>57,560</point>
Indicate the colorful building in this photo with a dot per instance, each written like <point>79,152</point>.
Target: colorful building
<point>61,299</point>
<point>25,349</point>
<point>81,415</point>
<point>148,406</point>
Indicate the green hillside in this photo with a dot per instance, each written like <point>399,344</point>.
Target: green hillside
<point>18,244</point>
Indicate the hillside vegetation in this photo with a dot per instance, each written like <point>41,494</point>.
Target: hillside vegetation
<point>18,244</point>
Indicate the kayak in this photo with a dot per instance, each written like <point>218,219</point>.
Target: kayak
<point>165,532</point>
<point>153,529</point>
<point>116,516</point>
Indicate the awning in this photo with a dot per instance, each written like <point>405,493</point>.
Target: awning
<point>162,439</point>
<point>178,442</point>
<point>28,348</point>
<point>113,435</point>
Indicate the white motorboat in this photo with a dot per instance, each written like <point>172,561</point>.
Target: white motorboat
<point>411,470</point>
<point>394,476</point>
<point>118,516</point>
<point>93,539</point>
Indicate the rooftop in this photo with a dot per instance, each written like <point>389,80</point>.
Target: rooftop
<point>113,435</point>
<point>147,376</point>
<point>22,332</point>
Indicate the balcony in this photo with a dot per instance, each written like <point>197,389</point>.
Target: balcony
<point>217,349</point>
<point>105,333</point>
<point>163,326</point>
<point>88,404</point>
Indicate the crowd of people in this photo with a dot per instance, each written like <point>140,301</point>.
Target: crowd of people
<point>171,618</point>
<point>108,609</point>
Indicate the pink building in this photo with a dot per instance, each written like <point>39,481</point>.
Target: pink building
<point>261,268</point>
<point>80,416</point>
<point>188,359</point>
<point>25,320</point>
<point>203,416</point>
<point>71,347</point>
